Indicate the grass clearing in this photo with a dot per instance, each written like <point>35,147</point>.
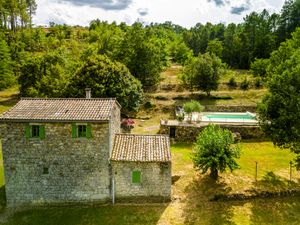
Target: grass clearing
<point>8,98</point>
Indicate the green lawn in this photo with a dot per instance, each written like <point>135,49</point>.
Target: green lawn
<point>191,197</point>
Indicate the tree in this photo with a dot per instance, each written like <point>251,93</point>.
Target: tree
<point>44,76</point>
<point>6,74</point>
<point>214,151</point>
<point>143,54</point>
<point>259,67</point>
<point>215,47</point>
<point>192,106</point>
<point>203,73</point>
<point>107,78</point>
<point>279,110</point>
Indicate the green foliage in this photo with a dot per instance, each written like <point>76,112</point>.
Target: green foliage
<point>7,78</point>
<point>259,67</point>
<point>180,53</point>
<point>107,78</point>
<point>213,151</point>
<point>215,47</point>
<point>232,83</point>
<point>143,54</point>
<point>279,110</point>
<point>258,83</point>
<point>203,73</point>
<point>245,84</point>
<point>44,76</point>
<point>193,106</point>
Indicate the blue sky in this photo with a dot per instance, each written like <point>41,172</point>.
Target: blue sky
<point>183,12</point>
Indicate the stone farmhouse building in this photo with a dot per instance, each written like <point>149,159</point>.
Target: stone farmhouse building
<point>66,151</point>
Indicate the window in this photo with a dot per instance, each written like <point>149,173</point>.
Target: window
<point>45,170</point>
<point>35,131</point>
<point>136,177</point>
<point>81,130</point>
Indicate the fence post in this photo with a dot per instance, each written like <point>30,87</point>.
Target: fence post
<point>255,171</point>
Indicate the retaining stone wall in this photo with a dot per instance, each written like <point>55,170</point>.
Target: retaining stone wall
<point>189,132</point>
<point>155,181</point>
<point>78,167</point>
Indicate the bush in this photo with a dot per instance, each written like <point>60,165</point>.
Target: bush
<point>192,106</point>
<point>259,67</point>
<point>258,83</point>
<point>232,83</point>
<point>245,84</point>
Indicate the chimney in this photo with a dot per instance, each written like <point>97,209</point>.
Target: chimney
<point>88,93</point>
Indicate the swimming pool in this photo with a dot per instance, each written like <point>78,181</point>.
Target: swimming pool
<point>229,117</point>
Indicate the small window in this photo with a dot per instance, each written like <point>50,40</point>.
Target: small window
<point>35,131</point>
<point>45,170</point>
<point>81,129</point>
<point>136,177</point>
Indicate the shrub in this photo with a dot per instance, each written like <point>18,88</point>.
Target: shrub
<point>245,84</point>
<point>258,83</point>
<point>192,106</point>
<point>232,83</point>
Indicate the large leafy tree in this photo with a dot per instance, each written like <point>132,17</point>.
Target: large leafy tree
<point>203,73</point>
<point>279,111</point>
<point>143,54</point>
<point>6,74</point>
<point>107,78</point>
<point>214,151</point>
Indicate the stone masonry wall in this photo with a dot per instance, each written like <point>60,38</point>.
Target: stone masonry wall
<point>189,133</point>
<point>78,167</point>
<point>155,181</point>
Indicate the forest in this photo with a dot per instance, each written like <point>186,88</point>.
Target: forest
<point>122,61</point>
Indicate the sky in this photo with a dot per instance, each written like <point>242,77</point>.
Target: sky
<point>186,13</point>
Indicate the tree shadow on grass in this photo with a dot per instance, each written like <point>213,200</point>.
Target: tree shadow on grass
<point>273,182</point>
<point>199,209</point>
<point>117,214</point>
<point>284,210</point>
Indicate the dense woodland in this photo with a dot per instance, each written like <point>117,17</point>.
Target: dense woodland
<point>52,62</point>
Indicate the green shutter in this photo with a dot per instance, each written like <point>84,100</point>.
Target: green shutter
<point>136,177</point>
<point>88,131</point>
<point>27,131</point>
<point>42,131</point>
<point>74,130</point>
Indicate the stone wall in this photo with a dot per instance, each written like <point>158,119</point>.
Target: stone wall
<point>230,108</point>
<point>78,167</point>
<point>155,181</point>
<point>189,132</point>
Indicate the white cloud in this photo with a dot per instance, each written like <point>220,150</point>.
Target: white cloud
<point>186,13</point>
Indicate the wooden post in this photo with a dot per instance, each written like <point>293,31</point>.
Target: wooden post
<point>255,171</point>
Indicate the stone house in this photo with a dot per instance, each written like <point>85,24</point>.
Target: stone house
<point>65,151</point>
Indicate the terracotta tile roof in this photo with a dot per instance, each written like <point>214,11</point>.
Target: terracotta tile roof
<point>141,148</point>
<point>37,109</point>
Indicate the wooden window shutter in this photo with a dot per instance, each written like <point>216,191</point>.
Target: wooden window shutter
<point>27,130</point>
<point>74,130</point>
<point>88,131</point>
<point>136,177</point>
<point>42,131</point>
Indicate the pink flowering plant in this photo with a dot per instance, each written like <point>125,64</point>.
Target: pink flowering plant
<point>127,125</point>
